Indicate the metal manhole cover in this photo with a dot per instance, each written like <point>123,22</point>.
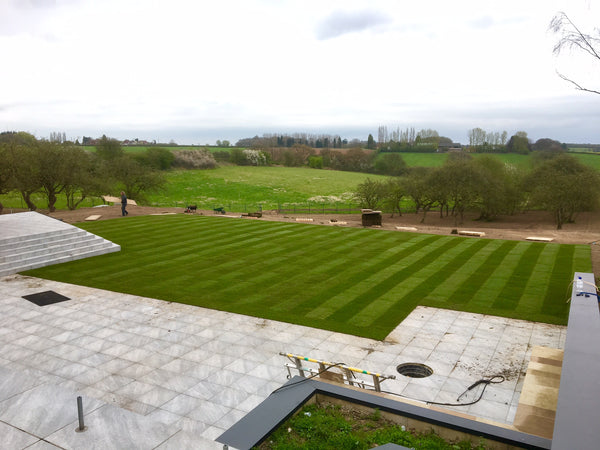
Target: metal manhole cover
<point>414,370</point>
<point>46,298</point>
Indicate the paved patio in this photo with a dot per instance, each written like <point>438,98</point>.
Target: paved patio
<point>155,374</point>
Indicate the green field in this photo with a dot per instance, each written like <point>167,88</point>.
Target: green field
<point>239,188</point>
<point>357,281</point>
<point>247,188</point>
<point>521,161</point>
<point>242,188</point>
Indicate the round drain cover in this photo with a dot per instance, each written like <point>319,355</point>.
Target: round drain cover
<point>414,370</point>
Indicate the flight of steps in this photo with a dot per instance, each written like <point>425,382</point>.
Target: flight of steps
<point>46,245</point>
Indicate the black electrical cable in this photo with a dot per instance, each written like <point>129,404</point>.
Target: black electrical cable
<point>485,381</point>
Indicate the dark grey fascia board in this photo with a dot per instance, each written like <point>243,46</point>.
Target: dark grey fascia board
<point>252,429</point>
<point>577,422</point>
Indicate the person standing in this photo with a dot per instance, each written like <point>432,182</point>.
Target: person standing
<point>123,204</point>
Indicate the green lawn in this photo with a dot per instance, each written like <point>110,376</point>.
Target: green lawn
<point>245,188</point>
<point>239,188</point>
<point>357,281</point>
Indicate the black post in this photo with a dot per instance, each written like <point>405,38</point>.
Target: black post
<point>80,414</point>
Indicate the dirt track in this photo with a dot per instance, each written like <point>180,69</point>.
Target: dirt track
<point>586,229</point>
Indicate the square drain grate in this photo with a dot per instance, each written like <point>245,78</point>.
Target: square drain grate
<point>46,298</point>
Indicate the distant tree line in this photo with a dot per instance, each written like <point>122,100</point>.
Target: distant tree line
<point>407,140</point>
<point>558,183</point>
<point>56,167</point>
<point>290,140</point>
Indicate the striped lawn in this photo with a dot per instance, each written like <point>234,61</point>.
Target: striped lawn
<point>356,281</point>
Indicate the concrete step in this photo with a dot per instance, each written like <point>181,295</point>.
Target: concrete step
<point>28,265</point>
<point>35,263</point>
<point>31,240</point>
<point>17,241</point>
<point>44,246</point>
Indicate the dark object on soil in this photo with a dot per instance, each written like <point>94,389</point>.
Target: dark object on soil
<point>46,298</point>
<point>454,231</point>
<point>219,210</point>
<point>254,214</point>
<point>191,209</point>
<point>371,218</point>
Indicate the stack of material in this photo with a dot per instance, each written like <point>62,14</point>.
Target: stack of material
<point>539,396</point>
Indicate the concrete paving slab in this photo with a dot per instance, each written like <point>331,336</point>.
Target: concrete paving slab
<point>113,427</point>
<point>14,438</point>
<point>43,410</point>
<point>199,370</point>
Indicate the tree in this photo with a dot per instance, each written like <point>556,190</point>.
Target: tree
<point>393,193</point>
<point>518,143</point>
<point>390,164</point>
<point>564,187</point>
<point>369,194</point>
<point>109,149</point>
<point>572,38</point>
<point>547,145</point>
<point>85,177</point>
<point>476,137</point>
<point>134,178</point>
<point>4,173</point>
<point>158,158</point>
<point>499,188</point>
<point>429,136</point>
<point>53,170</point>
<point>459,179</point>
<point>417,185</point>
<point>21,157</point>
<point>370,142</point>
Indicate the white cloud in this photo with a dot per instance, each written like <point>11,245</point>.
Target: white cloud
<point>341,22</point>
<point>133,66</point>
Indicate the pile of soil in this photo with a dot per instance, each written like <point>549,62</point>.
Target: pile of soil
<point>585,230</point>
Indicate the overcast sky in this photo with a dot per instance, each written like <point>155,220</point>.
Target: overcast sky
<point>195,71</point>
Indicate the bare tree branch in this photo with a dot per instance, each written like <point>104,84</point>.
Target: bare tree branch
<point>577,85</point>
<point>571,38</point>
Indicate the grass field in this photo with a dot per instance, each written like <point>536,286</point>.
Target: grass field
<point>356,281</point>
<point>238,188</point>
<point>255,187</point>
<point>246,188</point>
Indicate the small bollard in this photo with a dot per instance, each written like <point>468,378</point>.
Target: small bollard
<point>82,427</point>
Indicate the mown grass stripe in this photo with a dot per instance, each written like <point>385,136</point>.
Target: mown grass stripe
<point>511,293</point>
<point>554,302</point>
<point>433,251</point>
<point>535,290</point>
<point>357,281</point>
<point>439,296</point>
<point>499,277</point>
<point>317,275</point>
<point>381,309</point>
<point>465,292</point>
<point>324,301</point>
<point>267,275</point>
